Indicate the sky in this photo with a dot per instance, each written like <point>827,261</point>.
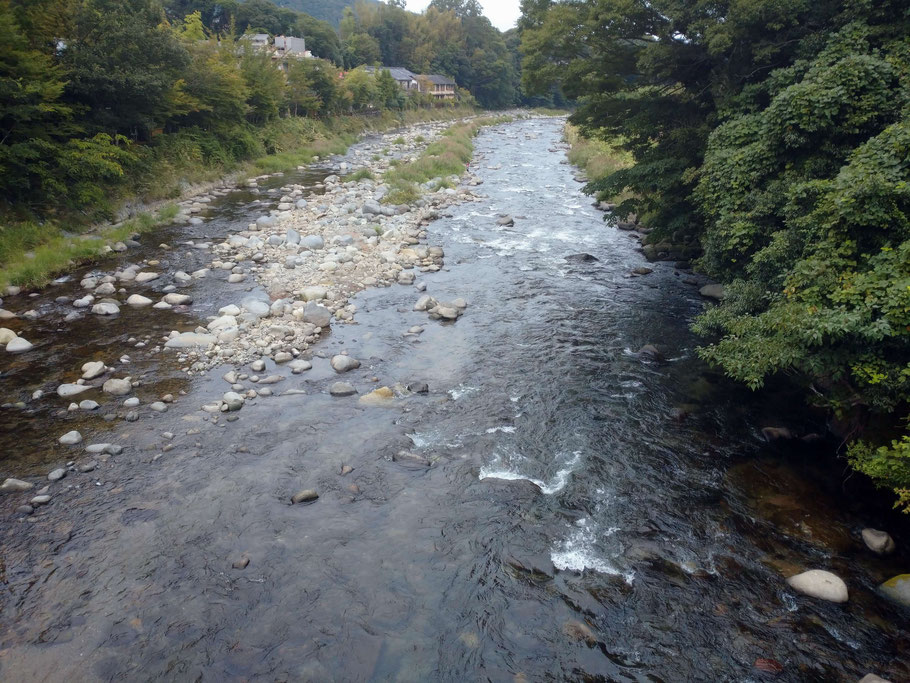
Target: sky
<point>503,13</point>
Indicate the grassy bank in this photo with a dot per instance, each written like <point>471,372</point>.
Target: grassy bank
<point>446,157</point>
<point>597,158</point>
<point>33,251</point>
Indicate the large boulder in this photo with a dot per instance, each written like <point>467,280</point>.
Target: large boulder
<point>818,583</point>
<point>312,242</point>
<point>897,588</point>
<point>117,387</point>
<point>68,390</point>
<point>317,315</point>
<point>11,485</point>
<point>188,340</point>
<point>313,293</point>
<point>715,292</point>
<point>342,363</point>
<point>106,308</point>
<point>18,345</point>
<point>372,208</point>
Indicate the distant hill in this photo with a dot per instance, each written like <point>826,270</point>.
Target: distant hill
<point>327,10</point>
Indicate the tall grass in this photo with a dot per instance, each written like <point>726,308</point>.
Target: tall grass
<point>597,157</point>
<point>30,254</point>
<point>445,157</point>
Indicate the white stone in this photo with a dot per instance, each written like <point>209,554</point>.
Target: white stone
<point>18,345</point>
<point>92,369</point>
<point>190,339</point>
<point>106,308</point>
<point>138,300</point>
<point>67,390</point>
<point>818,583</point>
<point>71,438</point>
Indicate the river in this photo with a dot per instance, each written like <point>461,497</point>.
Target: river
<point>589,512</point>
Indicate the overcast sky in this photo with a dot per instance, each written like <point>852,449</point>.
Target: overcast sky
<point>503,13</point>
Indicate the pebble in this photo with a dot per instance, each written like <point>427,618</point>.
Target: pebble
<point>159,406</point>
<point>40,500</point>
<point>57,474</point>
<point>132,402</point>
<point>241,562</point>
<point>88,405</point>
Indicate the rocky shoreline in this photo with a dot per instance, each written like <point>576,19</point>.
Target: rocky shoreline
<point>295,269</point>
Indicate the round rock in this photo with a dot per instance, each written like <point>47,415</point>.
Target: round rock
<point>818,583</point>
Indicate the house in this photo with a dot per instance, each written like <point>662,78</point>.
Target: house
<point>259,41</point>
<point>441,87</point>
<point>291,46</point>
<point>284,48</point>
<point>406,79</point>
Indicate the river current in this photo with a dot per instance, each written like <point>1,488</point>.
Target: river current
<point>590,512</point>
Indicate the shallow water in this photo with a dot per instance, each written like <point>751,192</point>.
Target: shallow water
<point>569,527</point>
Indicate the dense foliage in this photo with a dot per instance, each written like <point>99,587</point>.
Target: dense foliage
<point>779,132</point>
<point>94,93</point>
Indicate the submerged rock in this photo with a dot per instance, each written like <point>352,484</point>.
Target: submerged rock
<point>581,258</point>
<point>818,583</point>
<point>342,389</point>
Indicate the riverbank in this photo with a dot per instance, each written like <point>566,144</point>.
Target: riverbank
<point>31,254</point>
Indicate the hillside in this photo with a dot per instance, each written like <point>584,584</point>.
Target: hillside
<point>327,10</point>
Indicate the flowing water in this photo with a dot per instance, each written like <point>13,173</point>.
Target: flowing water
<point>590,513</point>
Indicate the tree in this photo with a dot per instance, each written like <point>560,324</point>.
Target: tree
<point>388,92</point>
<point>320,37</point>
<point>264,84</point>
<point>212,92</point>
<point>122,63</point>
<point>360,88</point>
<point>361,48</point>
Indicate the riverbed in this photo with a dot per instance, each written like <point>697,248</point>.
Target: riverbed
<point>557,505</point>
